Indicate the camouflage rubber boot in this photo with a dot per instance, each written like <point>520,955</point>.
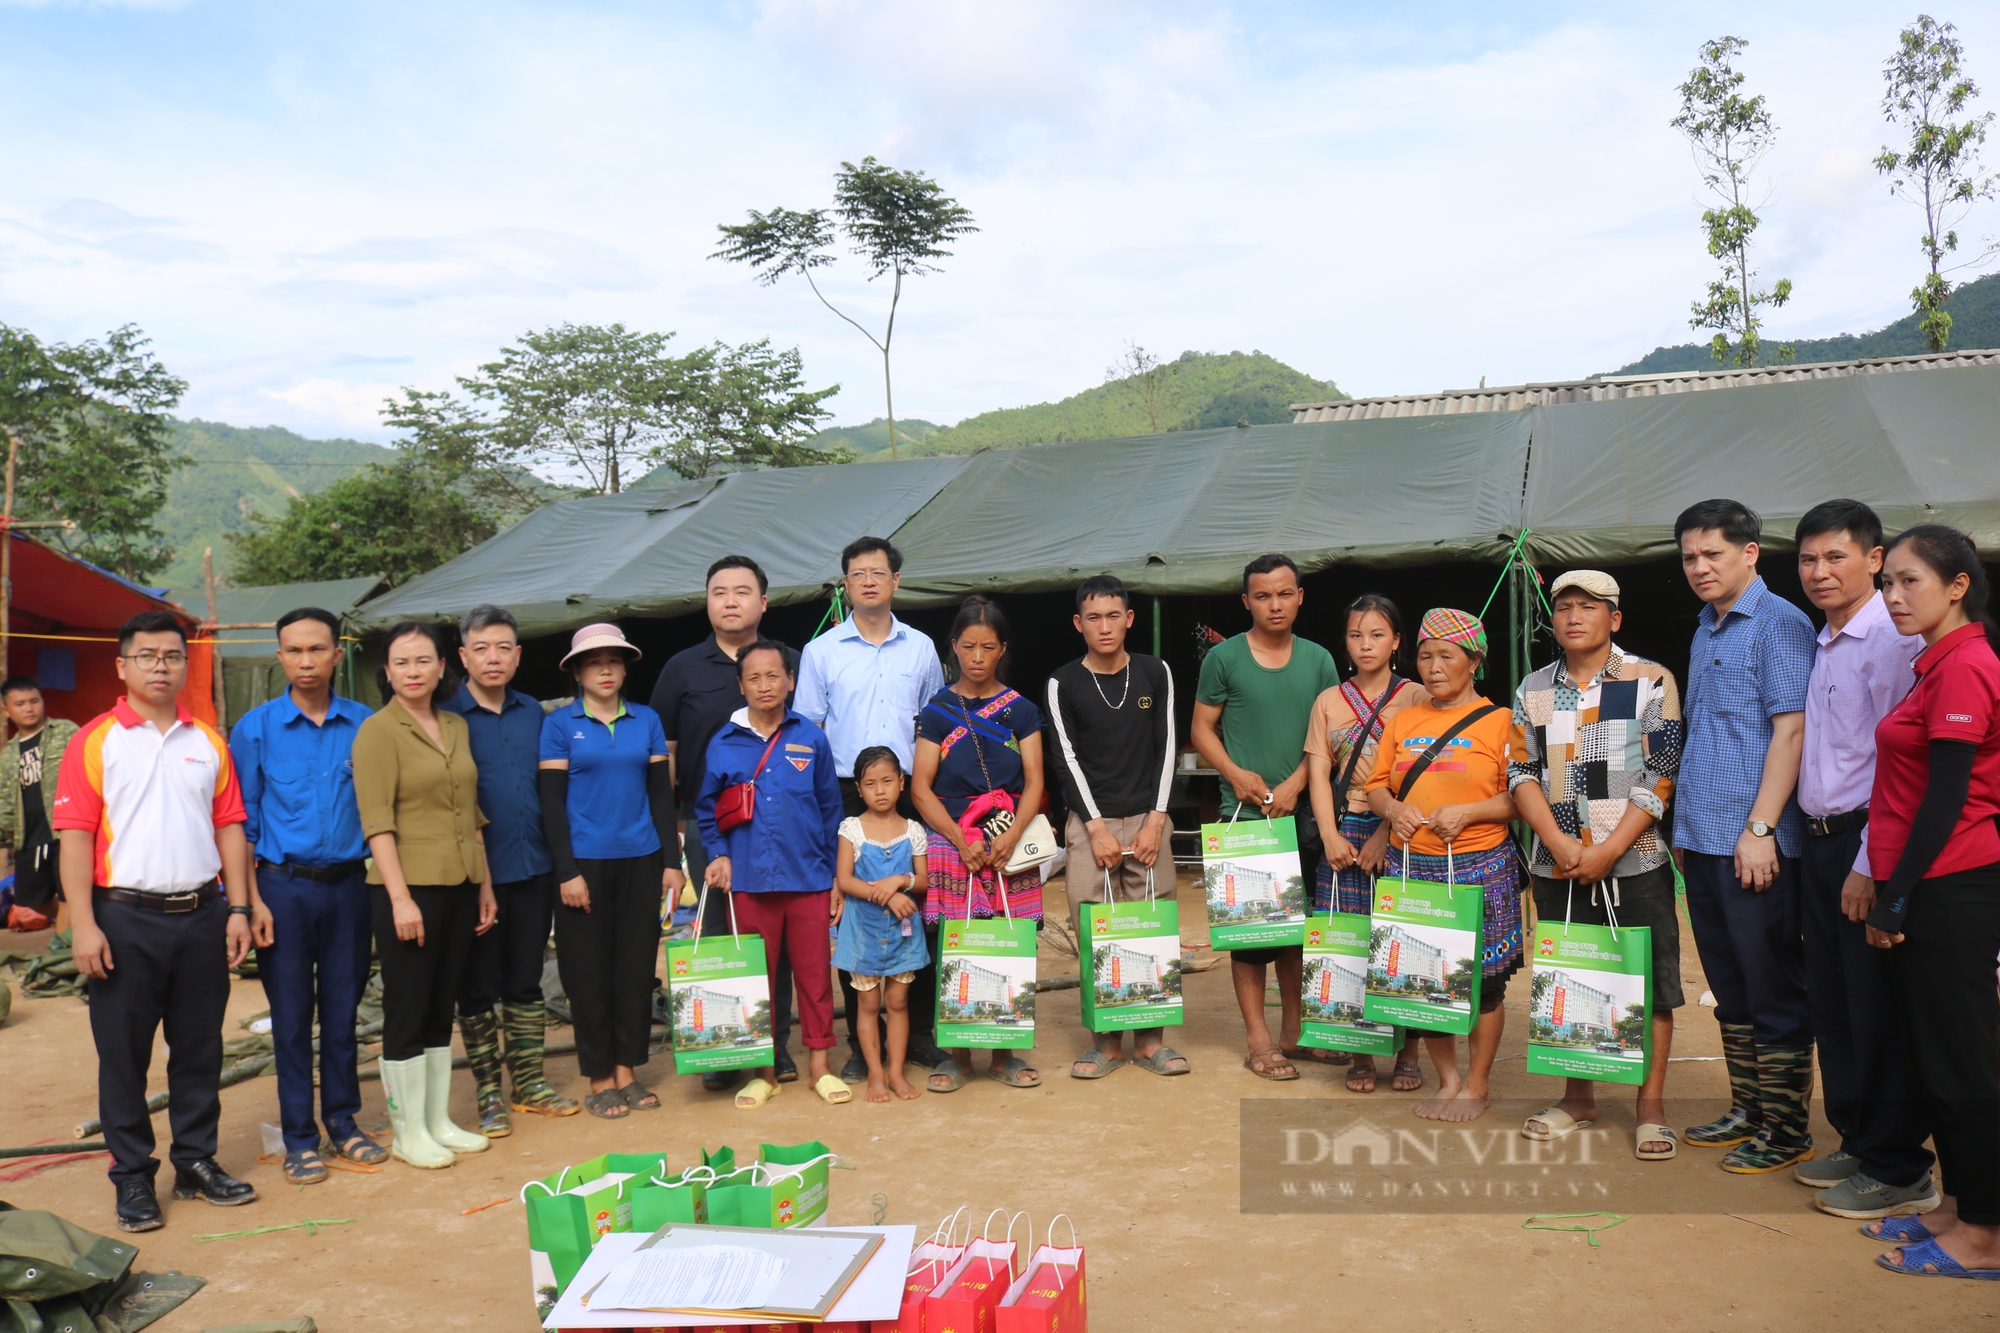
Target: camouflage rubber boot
<point>1784,1133</point>
<point>482,1051</point>
<point>1739,1124</point>
<point>527,1029</point>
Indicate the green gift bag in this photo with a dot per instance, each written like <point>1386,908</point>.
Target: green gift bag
<point>1423,953</point>
<point>720,996</point>
<point>788,1186</point>
<point>1590,1000</point>
<point>986,980</point>
<point>571,1209</point>
<point>1335,985</point>
<point>663,1199</point>
<point>1250,872</point>
<point>1131,954</point>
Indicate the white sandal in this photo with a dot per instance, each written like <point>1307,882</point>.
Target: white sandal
<point>1655,1134</point>
<point>1555,1123</point>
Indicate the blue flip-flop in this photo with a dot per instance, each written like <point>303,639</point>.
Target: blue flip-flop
<point>1897,1230</point>
<point>1928,1259</point>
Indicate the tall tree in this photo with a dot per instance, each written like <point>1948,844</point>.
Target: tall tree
<point>1940,171</point>
<point>392,521</point>
<point>898,222</point>
<point>1149,377</point>
<point>95,447</point>
<point>746,406</point>
<point>1728,134</point>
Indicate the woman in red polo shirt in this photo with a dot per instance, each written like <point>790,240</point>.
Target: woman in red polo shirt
<point>1934,848</point>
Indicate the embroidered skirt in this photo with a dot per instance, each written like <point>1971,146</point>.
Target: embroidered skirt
<point>1498,873</point>
<point>1346,890</point>
<point>949,888</point>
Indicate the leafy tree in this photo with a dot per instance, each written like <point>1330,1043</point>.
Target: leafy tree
<point>1728,134</point>
<point>746,406</point>
<point>759,1022</point>
<point>1539,987</point>
<point>1458,982</point>
<point>95,443</point>
<point>1940,171</point>
<point>393,522</point>
<point>1631,1029</point>
<point>898,222</point>
<point>1150,378</point>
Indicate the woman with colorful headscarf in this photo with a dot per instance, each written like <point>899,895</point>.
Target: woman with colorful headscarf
<point>1451,821</point>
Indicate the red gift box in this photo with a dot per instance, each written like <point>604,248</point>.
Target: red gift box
<point>965,1301</point>
<point>1048,1298</point>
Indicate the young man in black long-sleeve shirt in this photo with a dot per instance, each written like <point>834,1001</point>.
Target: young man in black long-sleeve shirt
<point>1113,714</point>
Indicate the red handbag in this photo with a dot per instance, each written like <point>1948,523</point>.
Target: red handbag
<point>736,804</point>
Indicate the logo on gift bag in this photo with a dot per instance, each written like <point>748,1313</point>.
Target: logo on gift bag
<point>1547,948</point>
<point>784,1212</point>
<point>1315,937</point>
<point>680,967</point>
<point>602,1222</point>
<point>1215,842</point>
<point>1386,903</point>
<point>952,939</point>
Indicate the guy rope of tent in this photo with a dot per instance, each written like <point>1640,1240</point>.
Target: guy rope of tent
<point>1523,619</point>
<point>836,612</point>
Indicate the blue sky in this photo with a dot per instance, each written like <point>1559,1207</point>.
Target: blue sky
<point>308,205</point>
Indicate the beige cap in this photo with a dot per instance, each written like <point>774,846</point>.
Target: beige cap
<point>597,636</point>
<point>1593,581</point>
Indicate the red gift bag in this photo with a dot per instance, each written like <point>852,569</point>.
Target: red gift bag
<point>929,1262</point>
<point>970,1293</point>
<point>1048,1297</point>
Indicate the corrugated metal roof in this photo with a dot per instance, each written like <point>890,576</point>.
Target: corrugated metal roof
<point>1513,398</point>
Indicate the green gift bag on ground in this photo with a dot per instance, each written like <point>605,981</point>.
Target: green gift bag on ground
<point>1590,1000</point>
<point>1423,953</point>
<point>1131,960</point>
<point>986,981</point>
<point>1335,986</point>
<point>720,996</point>
<point>571,1209</point>
<point>788,1186</point>
<point>1250,873</point>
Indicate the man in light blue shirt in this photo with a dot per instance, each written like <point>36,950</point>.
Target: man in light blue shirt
<point>309,890</point>
<point>863,682</point>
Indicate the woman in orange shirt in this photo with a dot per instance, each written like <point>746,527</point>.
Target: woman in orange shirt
<point>1453,821</point>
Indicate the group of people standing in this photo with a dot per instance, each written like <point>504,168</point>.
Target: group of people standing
<point>1829,800</point>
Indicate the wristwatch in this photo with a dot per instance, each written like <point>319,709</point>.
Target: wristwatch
<point>1757,828</point>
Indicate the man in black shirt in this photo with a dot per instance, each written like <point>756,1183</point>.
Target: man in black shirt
<point>1113,714</point>
<point>696,693</point>
<point>28,767</point>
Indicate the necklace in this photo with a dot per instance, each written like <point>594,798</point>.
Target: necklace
<point>1122,695</point>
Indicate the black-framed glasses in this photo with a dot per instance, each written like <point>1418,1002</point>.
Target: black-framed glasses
<point>148,658</point>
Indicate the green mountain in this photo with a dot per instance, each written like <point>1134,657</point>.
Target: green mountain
<point>1199,390</point>
<point>874,437</point>
<point>240,470</point>
<point>1975,313</point>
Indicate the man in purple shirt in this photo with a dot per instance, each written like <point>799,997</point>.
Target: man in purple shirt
<point>1860,671</point>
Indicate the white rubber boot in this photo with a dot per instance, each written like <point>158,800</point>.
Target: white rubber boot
<point>403,1082</point>
<point>437,1105</point>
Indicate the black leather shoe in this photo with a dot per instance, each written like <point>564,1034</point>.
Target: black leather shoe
<point>138,1206</point>
<point>855,1070</point>
<point>786,1068</point>
<point>206,1180</point>
<point>720,1080</point>
<point>927,1054</point>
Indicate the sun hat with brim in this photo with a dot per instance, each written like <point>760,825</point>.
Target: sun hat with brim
<point>597,636</point>
<point>1593,581</point>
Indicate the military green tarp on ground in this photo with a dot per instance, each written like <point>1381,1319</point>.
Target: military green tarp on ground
<point>1606,480</point>
<point>647,551</point>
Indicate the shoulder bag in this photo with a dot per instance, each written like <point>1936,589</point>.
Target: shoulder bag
<point>1436,748</point>
<point>1340,789</point>
<point>993,814</point>
<point>736,804</point>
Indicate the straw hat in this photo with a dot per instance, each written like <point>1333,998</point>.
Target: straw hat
<point>597,636</point>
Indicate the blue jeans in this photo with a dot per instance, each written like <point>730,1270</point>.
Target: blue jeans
<point>318,963</point>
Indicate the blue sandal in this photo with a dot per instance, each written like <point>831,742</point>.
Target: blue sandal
<point>1928,1259</point>
<point>1897,1230</point>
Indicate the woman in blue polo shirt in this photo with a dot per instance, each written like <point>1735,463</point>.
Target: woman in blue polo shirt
<point>608,814</point>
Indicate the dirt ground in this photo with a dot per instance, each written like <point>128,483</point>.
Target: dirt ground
<point>1147,1167</point>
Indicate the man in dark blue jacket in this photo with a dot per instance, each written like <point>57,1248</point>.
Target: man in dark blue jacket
<point>779,864</point>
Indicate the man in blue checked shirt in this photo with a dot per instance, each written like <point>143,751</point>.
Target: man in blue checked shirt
<point>1738,835</point>
<point>308,889</point>
<point>505,965</point>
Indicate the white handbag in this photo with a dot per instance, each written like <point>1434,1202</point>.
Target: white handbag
<point>1037,845</point>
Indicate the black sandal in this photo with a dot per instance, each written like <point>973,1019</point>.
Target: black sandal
<point>361,1150</point>
<point>639,1097</point>
<point>304,1168</point>
<point>607,1105</point>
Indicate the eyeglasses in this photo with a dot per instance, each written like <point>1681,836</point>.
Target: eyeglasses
<point>149,659</point>
<point>869,576</point>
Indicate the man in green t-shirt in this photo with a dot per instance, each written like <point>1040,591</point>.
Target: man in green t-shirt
<point>1250,713</point>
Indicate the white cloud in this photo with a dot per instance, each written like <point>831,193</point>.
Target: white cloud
<point>351,406</point>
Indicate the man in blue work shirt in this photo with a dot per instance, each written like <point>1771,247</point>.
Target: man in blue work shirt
<point>863,682</point>
<point>308,889</point>
<point>1738,835</point>
<point>505,965</point>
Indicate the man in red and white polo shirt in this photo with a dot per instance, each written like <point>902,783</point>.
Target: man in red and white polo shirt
<point>149,812</point>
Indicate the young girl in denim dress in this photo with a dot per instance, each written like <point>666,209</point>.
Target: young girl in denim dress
<point>876,901</point>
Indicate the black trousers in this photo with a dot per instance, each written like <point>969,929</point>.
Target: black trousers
<point>1951,936</point>
<point>505,964</point>
<point>168,969</point>
<point>420,981</point>
<point>1868,1073</point>
<point>923,991</point>
<point>1751,947</point>
<point>715,921</point>
<point>607,956</point>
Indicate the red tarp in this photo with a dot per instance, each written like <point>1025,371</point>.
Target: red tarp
<point>72,606</point>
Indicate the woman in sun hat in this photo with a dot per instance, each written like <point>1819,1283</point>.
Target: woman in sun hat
<point>608,814</point>
<point>1452,820</point>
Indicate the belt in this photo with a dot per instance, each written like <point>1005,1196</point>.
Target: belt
<point>333,874</point>
<point>164,902</point>
<point>1825,826</point>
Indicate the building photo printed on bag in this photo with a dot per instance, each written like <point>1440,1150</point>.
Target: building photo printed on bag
<point>1433,965</point>
<point>725,1011</point>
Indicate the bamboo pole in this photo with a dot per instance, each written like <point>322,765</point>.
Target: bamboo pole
<point>7,558</point>
<point>214,648</point>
